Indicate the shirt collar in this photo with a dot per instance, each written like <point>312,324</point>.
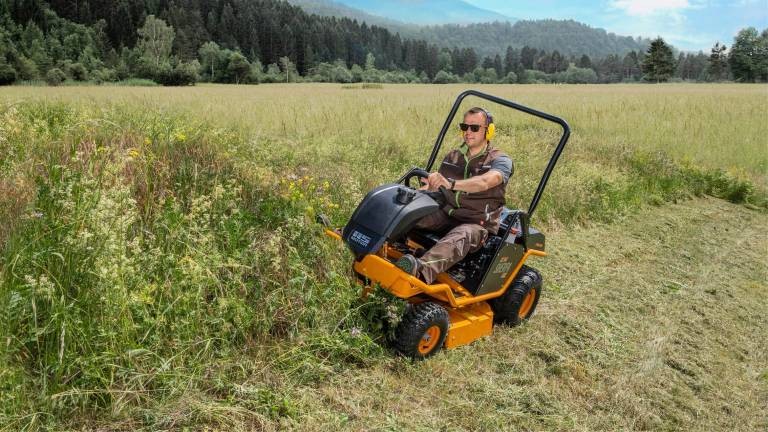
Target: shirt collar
<point>464,149</point>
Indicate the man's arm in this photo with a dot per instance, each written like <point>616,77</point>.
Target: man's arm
<point>501,170</point>
<point>473,184</point>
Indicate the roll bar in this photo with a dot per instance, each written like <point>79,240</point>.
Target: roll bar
<point>518,107</point>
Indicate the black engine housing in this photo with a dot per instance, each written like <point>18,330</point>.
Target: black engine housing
<point>387,212</point>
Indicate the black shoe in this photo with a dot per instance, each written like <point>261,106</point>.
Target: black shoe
<point>409,264</point>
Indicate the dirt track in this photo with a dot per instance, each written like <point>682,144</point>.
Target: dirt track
<point>656,322</point>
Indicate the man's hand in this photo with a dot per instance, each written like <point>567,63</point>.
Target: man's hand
<point>435,180</point>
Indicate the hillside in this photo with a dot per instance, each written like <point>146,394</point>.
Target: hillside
<point>340,10</point>
<point>426,11</point>
<point>567,36</point>
<point>491,38</point>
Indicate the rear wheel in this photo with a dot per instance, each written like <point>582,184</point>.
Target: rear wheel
<point>519,302</point>
<point>422,331</point>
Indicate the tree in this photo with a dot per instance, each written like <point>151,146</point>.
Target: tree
<point>498,66</point>
<point>630,67</point>
<point>528,57</point>
<point>155,42</point>
<point>273,74</point>
<point>762,56</point>
<point>512,61</point>
<point>749,55</point>
<point>609,69</point>
<point>371,74</point>
<point>287,68</point>
<point>210,59</point>
<point>718,62</point>
<point>584,62</point>
<point>238,67</point>
<point>256,75</point>
<point>659,63</point>
<point>370,61</point>
<point>444,62</point>
<point>7,72</point>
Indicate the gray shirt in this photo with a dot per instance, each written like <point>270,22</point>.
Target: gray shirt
<point>503,164</point>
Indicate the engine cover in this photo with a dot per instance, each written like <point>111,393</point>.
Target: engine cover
<point>387,212</point>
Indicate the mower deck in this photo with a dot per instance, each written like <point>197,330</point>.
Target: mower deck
<point>470,316</point>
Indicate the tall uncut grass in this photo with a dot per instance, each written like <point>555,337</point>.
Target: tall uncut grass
<point>153,238</point>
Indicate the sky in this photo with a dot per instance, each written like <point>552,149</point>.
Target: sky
<point>689,25</point>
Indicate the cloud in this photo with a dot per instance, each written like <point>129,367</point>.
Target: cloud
<point>650,7</point>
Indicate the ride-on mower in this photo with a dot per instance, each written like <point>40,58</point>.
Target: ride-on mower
<point>489,286</point>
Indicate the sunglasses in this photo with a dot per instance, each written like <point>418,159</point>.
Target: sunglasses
<point>472,127</point>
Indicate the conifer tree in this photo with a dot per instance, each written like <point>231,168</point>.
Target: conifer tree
<point>659,63</point>
<point>718,62</point>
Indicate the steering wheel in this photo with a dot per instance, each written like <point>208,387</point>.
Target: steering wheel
<point>414,172</point>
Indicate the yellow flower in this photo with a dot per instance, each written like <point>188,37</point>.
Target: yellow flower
<point>147,141</point>
<point>180,137</point>
<point>132,152</point>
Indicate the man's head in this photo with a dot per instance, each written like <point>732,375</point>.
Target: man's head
<point>474,127</point>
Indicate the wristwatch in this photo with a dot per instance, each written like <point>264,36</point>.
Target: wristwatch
<point>453,183</point>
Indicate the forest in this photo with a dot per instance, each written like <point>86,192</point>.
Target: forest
<point>180,42</point>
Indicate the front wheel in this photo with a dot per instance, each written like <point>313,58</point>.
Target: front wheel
<point>422,331</point>
<point>519,302</point>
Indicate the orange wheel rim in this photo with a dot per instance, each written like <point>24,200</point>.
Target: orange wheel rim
<point>429,340</point>
<point>525,308</point>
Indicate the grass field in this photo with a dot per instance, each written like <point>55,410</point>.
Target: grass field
<point>160,268</point>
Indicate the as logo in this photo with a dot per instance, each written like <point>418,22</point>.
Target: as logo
<point>360,238</point>
<point>502,267</point>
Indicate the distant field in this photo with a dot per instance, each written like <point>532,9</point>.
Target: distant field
<point>714,125</point>
<point>160,267</point>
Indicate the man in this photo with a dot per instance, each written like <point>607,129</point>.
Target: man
<point>473,178</point>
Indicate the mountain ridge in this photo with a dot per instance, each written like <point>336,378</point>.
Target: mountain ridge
<point>569,37</point>
<point>426,12</point>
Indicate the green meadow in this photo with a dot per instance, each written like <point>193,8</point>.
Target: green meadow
<point>160,267</point>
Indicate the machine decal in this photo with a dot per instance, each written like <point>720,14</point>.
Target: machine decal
<point>502,267</point>
<point>360,238</point>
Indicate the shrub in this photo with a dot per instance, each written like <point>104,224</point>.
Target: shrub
<point>443,77</point>
<point>181,75</point>
<point>76,72</point>
<point>26,68</point>
<point>7,74</point>
<point>577,75</point>
<point>510,78</point>
<point>55,77</point>
<point>104,75</point>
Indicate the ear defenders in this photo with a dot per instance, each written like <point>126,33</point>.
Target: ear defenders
<point>490,132</point>
<point>490,129</point>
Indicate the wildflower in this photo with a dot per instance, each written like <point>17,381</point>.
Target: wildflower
<point>355,332</point>
<point>147,141</point>
<point>133,153</point>
<point>180,137</point>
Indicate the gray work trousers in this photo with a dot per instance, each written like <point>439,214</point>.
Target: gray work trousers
<point>462,239</point>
